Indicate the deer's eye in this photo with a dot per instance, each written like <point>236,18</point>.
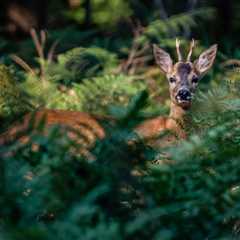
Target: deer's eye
<point>172,80</point>
<point>195,79</point>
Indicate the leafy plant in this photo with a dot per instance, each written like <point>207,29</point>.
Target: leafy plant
<point>12,100</point>
<point>96,94</point>
<point>81,63</point>
<point>103,12</point>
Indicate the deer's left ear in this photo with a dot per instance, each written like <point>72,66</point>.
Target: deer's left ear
<point>163,59</point>
<point>206,60</point>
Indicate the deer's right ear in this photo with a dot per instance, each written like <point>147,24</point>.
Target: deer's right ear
<point>163,59</point>
<point>206,60</point>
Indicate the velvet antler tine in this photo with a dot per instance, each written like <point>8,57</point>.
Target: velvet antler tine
<point>178,50</point>
<point>192,45</point>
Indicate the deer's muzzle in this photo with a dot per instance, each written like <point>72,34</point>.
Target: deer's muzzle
<point>183,95</point>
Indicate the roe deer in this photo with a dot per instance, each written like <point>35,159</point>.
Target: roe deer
<point>183,79</point>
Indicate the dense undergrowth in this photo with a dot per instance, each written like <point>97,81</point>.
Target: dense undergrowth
<point>120,193</point>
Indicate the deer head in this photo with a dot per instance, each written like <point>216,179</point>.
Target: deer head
<point>183,76</point>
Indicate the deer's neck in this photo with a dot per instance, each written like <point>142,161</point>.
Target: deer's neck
<point>177,113</point>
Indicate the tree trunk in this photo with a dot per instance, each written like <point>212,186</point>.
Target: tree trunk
<point>88,13</point>
<point>224,10</point>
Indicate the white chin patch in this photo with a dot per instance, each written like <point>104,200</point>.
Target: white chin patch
<point>183,101</point>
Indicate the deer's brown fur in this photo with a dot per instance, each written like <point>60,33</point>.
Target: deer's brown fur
<point>71,121</point>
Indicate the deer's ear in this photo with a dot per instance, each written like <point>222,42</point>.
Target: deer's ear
<point>206,60</point>
<point>163,59</point>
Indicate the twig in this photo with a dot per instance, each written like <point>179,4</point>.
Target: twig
<point>40,45</point>
<point>136,50</point>
<point>231,62</point>
<point>43,37</point>
<point>51,51</point>
<point>23,64</point>
<point>37,43</point>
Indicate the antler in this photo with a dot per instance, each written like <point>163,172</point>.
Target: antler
<point>178,50</point>
<point>192,45</point>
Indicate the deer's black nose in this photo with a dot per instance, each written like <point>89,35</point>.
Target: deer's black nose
<point>184,95</point>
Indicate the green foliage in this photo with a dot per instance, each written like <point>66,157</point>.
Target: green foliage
<point>103,12</point>
<point>175,25</point>
<point>201,189</point>
<point>12,100</point>
<point>91,208</point>
<point>214,106</point>
<point>80,63</point>
<point>118,191</point>
<point>42,92</point>
<point>92,95</point>
<point>196,196</point>
<point>96,94</point>
<point>163,32</point>
<point>68,83</point>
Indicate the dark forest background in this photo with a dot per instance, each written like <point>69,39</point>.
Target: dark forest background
<point>19,16</point>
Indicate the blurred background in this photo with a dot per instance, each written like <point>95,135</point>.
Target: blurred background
<point>116,18</point>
